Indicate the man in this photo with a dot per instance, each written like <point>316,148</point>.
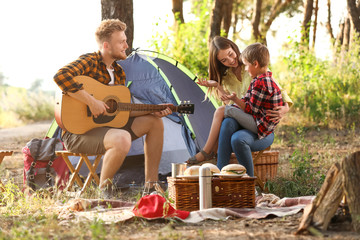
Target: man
<point>116,143</point>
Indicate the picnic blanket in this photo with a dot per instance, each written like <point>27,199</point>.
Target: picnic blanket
<point>155,207</point>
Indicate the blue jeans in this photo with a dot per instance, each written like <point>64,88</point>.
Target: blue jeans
<point>233,138</point>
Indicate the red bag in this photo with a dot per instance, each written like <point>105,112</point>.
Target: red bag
<point>42,169</point>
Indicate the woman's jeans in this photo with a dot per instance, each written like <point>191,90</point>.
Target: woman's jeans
<point>233,138</point>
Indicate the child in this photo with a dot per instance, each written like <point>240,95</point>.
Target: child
<point>263,94</point>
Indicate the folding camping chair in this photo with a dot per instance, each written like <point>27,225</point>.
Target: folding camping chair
<point>75,171</point>
<point>2,155</point>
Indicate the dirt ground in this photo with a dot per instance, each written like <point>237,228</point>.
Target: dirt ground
<point>241,228</point>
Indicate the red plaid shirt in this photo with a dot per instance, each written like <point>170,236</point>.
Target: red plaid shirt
<point>263,94</point>
<point>91,65</point>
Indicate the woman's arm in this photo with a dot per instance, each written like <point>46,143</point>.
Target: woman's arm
<point>213,84</point>
<point>278,112</point>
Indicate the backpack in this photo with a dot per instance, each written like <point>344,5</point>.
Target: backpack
<point>42,169</point>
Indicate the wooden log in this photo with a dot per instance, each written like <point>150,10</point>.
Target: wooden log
<point>351,169</point>
<point>310,210</point>
<point>330,203</point>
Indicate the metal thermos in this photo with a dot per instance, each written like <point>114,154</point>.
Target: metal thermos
<point>205,188</point>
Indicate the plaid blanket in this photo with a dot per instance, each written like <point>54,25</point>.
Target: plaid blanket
<point>112,211</point>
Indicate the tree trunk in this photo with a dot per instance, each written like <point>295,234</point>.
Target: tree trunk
<point>328,23</point>
<point>178,11</point>
<point>215,19</point>
<point>315,22</point>
<point>340,36</point>
<point>354,14</point>
<point>255,21</point>
<point>227,10</point>
<point>351,168</point>
<point>307,21</point>
<point>347,28</point>
<point>122,10</point>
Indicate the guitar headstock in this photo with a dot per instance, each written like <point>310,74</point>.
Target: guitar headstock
<point>186,108</point>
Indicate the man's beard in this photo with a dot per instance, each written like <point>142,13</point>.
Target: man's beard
<point>118,56</point>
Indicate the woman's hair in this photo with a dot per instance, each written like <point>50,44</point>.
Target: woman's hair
<point>257,52</point>
<point>107,28</point>
<point>216,69</point>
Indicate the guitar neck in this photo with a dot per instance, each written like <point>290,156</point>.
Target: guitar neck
<point>144,107</point>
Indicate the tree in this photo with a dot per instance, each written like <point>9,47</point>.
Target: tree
<point>328,22</point>
<point>309,5</point>
<point>227,10</point>
<point>122,10</point>
<point>255,21</point>
<point>354,12</point>
<point>178,11</point>
<point>215,19</point>
<point>36,85</point>
<point>262,13</point>
<point>220,18</point>
<point>315,22</point>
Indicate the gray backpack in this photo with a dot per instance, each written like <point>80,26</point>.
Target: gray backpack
<point>41,175</point>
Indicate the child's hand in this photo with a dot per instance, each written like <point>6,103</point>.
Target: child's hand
<point>232,97</point>
<point>207,83</point>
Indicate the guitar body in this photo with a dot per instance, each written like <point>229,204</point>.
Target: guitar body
<point>75,116</point>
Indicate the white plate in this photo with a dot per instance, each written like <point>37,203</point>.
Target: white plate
<point>188,177</point>
<point>229,175</point>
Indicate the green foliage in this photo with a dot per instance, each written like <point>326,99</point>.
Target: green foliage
<point>19,106</point>
<point>325,92</point>
<point>98,230</point>
<point>305,180</point>
<point>187,42</point>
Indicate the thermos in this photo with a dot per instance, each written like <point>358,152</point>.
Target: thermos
<point>205,199</point>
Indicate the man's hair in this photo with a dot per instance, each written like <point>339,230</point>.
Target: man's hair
<point>107,28</point>
<point>257,52</point>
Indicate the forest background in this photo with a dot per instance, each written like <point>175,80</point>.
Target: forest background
<point>321,128</point>
<point>323,88</point>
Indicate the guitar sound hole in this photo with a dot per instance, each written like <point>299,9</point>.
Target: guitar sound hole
<point>112,104</point>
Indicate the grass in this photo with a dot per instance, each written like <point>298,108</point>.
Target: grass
<point>306,152</point>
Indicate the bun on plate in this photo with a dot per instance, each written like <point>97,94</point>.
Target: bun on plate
<point>231,169</point>
<point>192,171</point>
<point>213,168</point>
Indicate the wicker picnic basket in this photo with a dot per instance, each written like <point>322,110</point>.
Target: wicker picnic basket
<point>266,166</point>
<point>226,192</point>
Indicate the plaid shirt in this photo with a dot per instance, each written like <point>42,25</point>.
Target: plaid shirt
<point>91,65</point>
<point>263,94</point>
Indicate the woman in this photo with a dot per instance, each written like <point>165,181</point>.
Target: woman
<point>227,73</point>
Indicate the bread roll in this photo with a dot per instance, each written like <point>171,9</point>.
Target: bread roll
<point>213,168</point>
<point>231,169</point>
<point>192,171</point>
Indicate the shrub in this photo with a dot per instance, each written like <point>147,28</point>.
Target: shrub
<point>187,42</point>
<point>324,91</point>
<point>304,180</point>
<point>19,106</point>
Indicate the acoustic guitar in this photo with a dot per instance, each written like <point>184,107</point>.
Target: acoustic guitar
<point>74,116</point>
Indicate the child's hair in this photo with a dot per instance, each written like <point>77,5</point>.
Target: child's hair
<point>107,28</point>
<point>257,52</point>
